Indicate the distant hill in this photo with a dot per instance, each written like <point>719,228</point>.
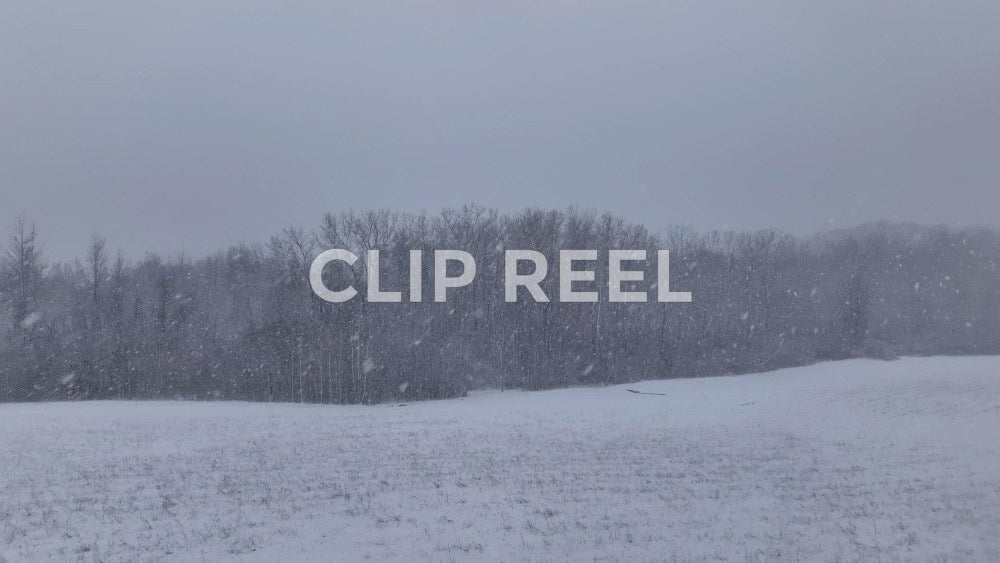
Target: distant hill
<point>896,230</point>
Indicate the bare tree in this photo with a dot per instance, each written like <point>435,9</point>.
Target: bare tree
<point>24,263</point>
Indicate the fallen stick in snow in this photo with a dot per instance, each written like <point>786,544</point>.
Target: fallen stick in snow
<point>643,392</point>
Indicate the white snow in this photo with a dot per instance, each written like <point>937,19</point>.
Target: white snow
<point>856,460</point>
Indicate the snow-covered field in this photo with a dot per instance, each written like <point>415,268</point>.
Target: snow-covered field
<point>857,460</point>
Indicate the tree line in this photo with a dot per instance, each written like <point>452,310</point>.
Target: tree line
<point>243,323</point>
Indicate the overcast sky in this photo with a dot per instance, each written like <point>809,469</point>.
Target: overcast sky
<point>188,126</point>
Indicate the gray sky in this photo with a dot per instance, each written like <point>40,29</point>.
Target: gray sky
<point>191,125</point>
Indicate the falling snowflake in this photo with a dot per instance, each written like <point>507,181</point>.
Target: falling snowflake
<point>31,320</point>
<point>367,365</point>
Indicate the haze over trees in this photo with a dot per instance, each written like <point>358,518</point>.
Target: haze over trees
<point>243,323</point>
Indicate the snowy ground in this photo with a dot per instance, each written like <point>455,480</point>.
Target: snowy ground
<point>857,460</point>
